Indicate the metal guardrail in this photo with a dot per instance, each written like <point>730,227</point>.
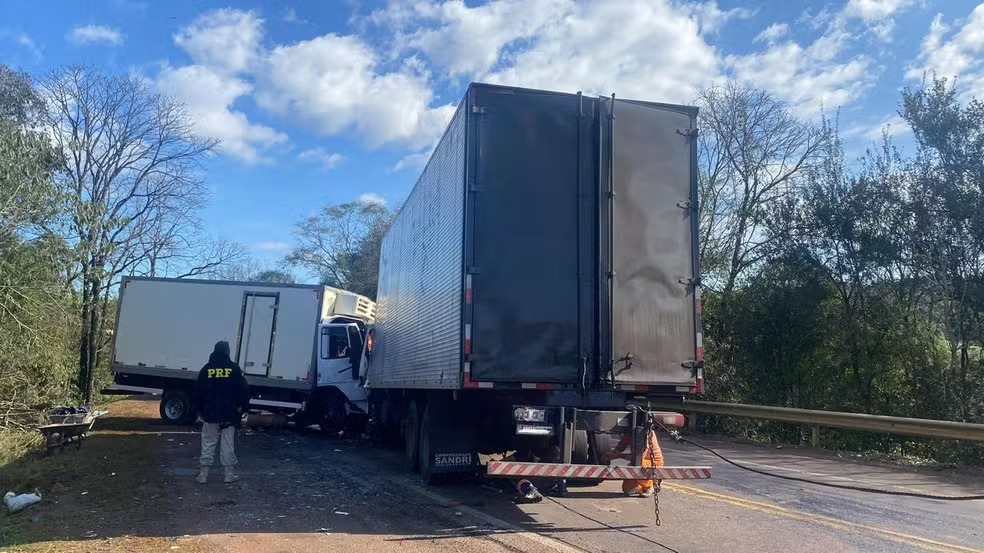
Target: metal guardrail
<point>834,419</point>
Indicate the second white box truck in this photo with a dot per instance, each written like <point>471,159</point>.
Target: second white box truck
<point>300,346</point>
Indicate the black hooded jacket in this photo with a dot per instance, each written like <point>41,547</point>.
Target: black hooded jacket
<point>222,394</point>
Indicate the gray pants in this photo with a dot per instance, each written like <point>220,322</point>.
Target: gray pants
<point>211,436</point>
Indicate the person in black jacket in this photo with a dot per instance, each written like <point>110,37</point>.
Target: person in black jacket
<point>221,396</point>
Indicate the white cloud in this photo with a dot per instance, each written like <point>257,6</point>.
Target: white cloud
<point>336,84</point>
<point>328,160</point>
<point>772,33</point>
<point>290,16</point>
<point>415,162</point>
<point>224,44</point>
<point>891,125</point>
<point>711,18</point>
<point>465,40</point>
<point>209,95</point>
<point>871,10</point>
<point>272,246</point>
<point>954,54</point>
<point>22,40</point>
<point>877,15</point>
<point>651,51</point>
<point>226,38</point>
<point>95,34</point>
<point>371,198</point>
<point>821,74</point>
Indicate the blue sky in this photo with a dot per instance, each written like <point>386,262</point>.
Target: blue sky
<point>318,102</point>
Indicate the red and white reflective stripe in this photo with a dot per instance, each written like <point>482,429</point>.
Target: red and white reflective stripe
<point>468,289</point>
<point>469,383</point>
<point>535,386</point>
<point>700,346</point>
<point>467,345</point>
<point>508,469</point>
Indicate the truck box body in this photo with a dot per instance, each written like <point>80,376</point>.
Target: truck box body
<point>547,244</point>
<point>167,327</point>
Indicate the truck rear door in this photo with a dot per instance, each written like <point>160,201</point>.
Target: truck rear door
<point>654,299</point>
<point>257,326</point>
<point>522,255</point>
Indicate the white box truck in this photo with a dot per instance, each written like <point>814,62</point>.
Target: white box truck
<point>300,346</point>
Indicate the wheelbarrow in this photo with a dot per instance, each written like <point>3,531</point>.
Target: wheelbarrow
<point>66,429</point>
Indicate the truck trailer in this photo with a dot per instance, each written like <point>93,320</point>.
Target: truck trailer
<point>540,285</point>
<point>300,347</point>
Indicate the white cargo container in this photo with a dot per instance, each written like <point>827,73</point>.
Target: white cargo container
<point>300,346</point>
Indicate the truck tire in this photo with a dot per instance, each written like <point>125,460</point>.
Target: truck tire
<point>176,407</point>
<point>582,453</point>
<point>579,452</point>
<point>425,447</point>
<point>333,415</point>
<point>411,437</point>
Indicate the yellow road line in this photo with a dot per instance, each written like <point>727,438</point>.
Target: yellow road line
<point>931,545</point>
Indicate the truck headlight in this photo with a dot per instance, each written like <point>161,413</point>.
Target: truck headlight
<point>529,414</point>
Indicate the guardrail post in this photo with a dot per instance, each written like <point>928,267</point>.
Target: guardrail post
<point>815,436</point>
<point>692,422</point>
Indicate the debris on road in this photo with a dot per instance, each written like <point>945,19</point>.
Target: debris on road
<point>20,502</point>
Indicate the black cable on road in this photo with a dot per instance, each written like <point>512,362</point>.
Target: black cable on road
<point>676,436</point>
<point>610,527</point>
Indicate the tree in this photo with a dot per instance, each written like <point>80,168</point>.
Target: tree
<point>340,245</point>
<point>35,365</point>
<point>275,276</point>
<point>130,162</point>
<point>28,198</point>
<point>752,154</point>
<point>947,191</point>
<point>853,228</point>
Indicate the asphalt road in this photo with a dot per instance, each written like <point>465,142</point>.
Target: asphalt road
<point>303,492</point>
<point>742,511</point>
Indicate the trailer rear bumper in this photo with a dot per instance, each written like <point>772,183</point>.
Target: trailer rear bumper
<point>510,469</point>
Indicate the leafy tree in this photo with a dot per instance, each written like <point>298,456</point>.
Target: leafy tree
<point>947,191</point>
<point>36,329</point>
<point>275,276</point>
<point>340,245</point>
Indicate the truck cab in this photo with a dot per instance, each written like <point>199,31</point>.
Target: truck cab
<point>341,347</point>
<point>341,401</point>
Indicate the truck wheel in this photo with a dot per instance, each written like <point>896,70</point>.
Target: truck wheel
<point>426,449</point>
<point>581,455</point>
<point>332,420</point>
<point>411,437</point>
<point>176,407</point>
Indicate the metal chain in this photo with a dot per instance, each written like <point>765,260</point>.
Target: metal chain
<point>656,500</point>
<point>650,429</point>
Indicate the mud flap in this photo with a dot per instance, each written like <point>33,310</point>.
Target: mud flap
<point>448,443</point>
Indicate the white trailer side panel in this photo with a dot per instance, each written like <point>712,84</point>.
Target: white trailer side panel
<point>172,325</point>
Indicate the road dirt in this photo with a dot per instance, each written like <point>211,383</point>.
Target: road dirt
<point>131,488</point>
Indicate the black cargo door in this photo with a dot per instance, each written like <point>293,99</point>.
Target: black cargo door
<point>653,308</point>
<point>523,212</point>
